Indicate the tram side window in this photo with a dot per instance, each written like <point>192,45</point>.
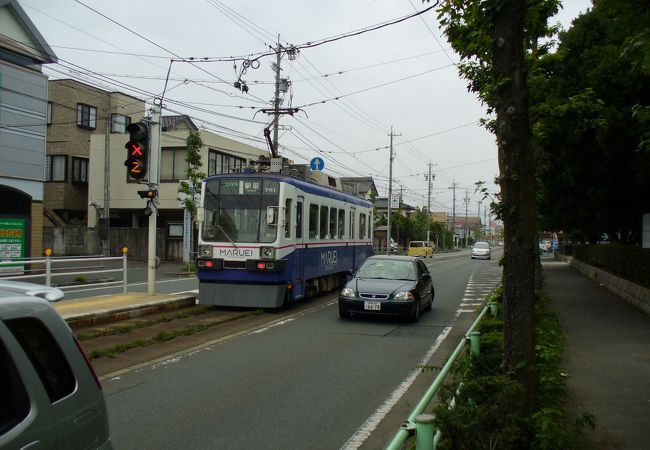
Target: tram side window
<point>369,225</point>
<point>299,220</point>
<point>323,222</point>
<point>313,221</point>
<point>362,226</point>
<point>287,218</point>
<point>341,223</point>
<point>352,214</point>
<point>333,223</point>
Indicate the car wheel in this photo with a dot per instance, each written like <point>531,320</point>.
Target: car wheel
<point>343,313</point>
<point>415,316</point>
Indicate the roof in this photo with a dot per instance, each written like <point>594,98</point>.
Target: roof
<point>382,203</point>
<point>169,122</point>
<point>363,184</point>
<point>37,49</point>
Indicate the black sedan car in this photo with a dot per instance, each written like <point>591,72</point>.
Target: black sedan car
<point>388,285</point>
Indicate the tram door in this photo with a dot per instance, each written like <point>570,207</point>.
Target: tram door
<point>299,260</point>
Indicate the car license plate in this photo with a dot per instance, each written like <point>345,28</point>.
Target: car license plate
<point>373,306</point>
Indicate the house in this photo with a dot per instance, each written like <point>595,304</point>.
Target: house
<point>24,108</point>
<point>76,111</point>
<point>363,187</point>
<point>381,208</point>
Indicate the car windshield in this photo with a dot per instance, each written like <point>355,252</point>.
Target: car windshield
<point>481,245</point>
<point>387,269</point>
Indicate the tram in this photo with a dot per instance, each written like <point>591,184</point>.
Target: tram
<point>269,239</point>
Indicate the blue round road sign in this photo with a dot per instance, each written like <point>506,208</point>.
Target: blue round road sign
<point>317,163</point>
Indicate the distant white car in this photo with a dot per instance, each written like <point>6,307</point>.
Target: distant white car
<point>481,250</point>
<point>35,290</point>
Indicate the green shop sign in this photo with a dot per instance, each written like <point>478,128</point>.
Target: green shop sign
<point>12,244</point>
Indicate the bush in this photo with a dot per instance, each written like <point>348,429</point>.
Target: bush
<point>628,262</point>
<point>483,415</point>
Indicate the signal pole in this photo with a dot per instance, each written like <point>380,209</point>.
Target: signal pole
<point>154,179</point>
<point>276,101</point>
<point>430,179</point>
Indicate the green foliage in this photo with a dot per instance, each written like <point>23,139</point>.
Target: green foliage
<point>590,106</point>
<point>625,261</point>
<point>483,416</point>
<point>187,190</point>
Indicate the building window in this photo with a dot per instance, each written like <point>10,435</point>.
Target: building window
<point>55,166</point>
<point>79,170</point>
<point>86,116</point>
<point>219,162</point>
<point>173,166</point>
<point>49,113</point>
<point>119,123</point>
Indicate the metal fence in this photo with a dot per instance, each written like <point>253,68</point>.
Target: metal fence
<point>422,425</point>
<point>66,273</point>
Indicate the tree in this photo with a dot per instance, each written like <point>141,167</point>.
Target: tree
<point>188,190</point>
<point>590,103</point>
<point>496,39</point>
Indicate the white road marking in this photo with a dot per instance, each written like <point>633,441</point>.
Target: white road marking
<point>364,431</point>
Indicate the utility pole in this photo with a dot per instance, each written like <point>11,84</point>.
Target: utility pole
<point>453,213</point>
<point>276,101</point>
<point>390,190</point>
<point>430,179</point>
<point>478,215</point>
<point>105,225</point>
<point>154,182</point>
<point>465,227</point>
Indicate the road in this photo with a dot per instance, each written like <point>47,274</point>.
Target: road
<point>309,382</point>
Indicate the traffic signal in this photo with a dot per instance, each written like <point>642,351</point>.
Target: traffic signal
<point>137,150</point>
<point>149,194</point>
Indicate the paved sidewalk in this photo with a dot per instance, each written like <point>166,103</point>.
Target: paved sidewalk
<point>608,358</point>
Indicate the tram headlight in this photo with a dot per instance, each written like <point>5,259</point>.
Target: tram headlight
<point>205,250</point>
<point>267,252</point>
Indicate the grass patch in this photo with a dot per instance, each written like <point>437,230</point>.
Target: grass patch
<point>139,324</point>
<point>161,337</point>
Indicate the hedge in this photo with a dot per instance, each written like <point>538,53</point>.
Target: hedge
<point>630,263</point>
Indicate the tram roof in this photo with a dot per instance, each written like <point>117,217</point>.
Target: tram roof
<point>312,188</point>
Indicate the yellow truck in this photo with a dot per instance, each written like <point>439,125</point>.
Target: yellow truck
<point>423,249</point>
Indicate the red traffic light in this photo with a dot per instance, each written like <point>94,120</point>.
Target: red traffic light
<point>137,150</point>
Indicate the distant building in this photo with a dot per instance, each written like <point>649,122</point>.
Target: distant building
<point>363,187</point>
<point>24,113</point>
<point>381,208</point>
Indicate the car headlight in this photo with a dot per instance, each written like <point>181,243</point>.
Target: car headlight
<point>348,293</point>
<point>405,296</point>
<point>267,252</point>
<point>205,250</point>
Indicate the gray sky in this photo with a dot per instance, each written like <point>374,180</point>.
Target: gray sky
<point>400,76</point>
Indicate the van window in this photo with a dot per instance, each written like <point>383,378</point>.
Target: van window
<point>416,244</point>
<point>46,356</point>
<point>15,402</point>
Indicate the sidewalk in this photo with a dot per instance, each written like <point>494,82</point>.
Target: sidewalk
<point>608,358</point>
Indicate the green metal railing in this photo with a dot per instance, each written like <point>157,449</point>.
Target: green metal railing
<point>421,425</point>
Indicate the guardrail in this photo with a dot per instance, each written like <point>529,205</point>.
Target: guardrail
<point>52,267</point>
<point>421,425</point>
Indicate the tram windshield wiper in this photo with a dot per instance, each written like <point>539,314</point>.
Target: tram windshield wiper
<point>226,234</point>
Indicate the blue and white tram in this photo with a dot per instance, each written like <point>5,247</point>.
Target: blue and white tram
<point>267,239</point>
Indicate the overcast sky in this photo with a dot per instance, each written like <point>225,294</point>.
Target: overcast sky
<point>399,76</point>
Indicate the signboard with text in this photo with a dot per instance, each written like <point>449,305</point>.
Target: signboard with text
<point>12,244</point>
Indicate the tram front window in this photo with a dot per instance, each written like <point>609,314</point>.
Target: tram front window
<point>235,210</point>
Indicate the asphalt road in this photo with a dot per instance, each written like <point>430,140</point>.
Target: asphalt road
<point>311,381</point>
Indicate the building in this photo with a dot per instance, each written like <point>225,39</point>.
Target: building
<point>381,208</point>
<point>76,111</point>
<point>23,114</point>
<point>363,187</point>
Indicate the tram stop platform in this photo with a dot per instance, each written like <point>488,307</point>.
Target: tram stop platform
<point>98,310</point>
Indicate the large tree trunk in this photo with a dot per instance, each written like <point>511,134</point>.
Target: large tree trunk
<point>517,181</point>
